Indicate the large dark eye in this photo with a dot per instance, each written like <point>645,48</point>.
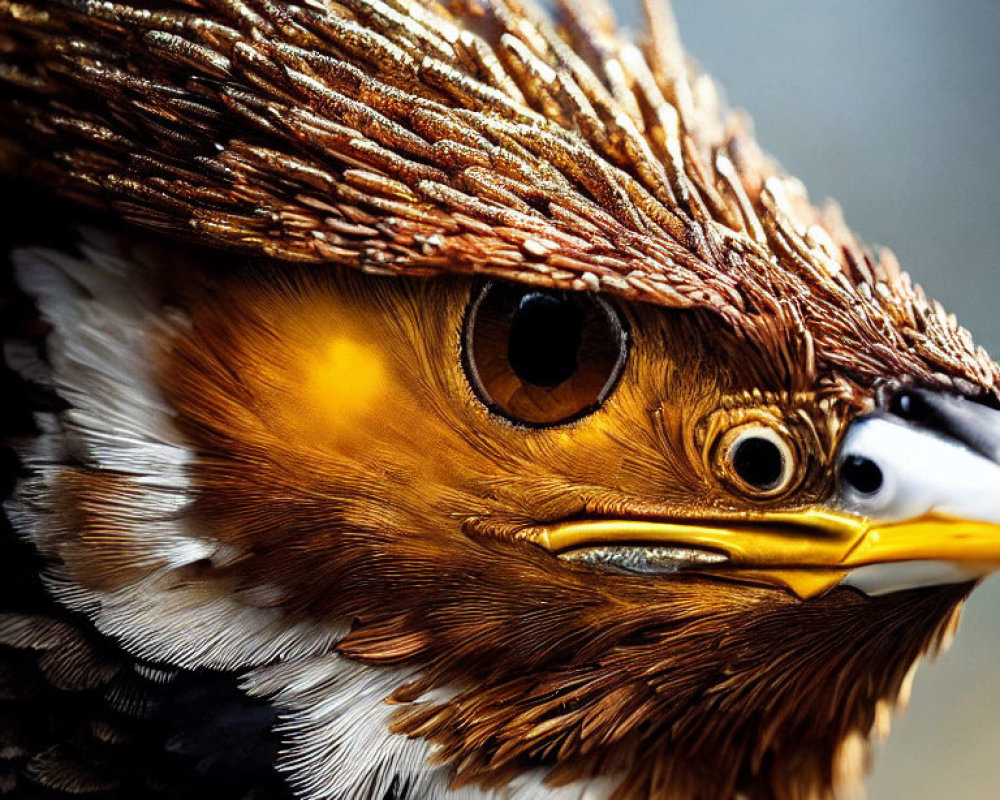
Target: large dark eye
<point>539,356</point>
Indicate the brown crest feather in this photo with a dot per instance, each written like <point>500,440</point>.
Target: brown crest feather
<point>473,136</point>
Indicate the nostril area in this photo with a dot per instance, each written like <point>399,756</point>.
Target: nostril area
<point>910,405</point>
<point>861,473</point>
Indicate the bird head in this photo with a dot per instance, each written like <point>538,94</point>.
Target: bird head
<point>550,442</point>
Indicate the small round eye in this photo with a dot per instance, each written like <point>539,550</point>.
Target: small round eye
<point>757,460</point>
<point>542,357</point>
<point>861,474</point>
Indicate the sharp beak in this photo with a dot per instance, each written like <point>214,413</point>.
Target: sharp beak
<point>917,503</point>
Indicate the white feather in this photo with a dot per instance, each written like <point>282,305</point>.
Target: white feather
<point>337,743</point>
<point>105,321</point>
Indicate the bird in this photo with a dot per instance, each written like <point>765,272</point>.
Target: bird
<point>431,400</point>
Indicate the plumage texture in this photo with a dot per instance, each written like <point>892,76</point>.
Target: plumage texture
<point>376,596</point>
<point>410,138</point>
<point>342,570</point>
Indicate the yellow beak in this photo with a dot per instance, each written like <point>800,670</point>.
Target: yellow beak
<point>807,552</point>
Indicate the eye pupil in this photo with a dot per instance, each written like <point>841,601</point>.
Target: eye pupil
<point>759,462</point>
<point>861,473</point>
<point>542,357</point>
<point>545,336</point>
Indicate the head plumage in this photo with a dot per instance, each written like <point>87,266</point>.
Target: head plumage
<point>472,136</point>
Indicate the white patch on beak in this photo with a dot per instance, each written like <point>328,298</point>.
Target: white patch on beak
<point>922,473</point>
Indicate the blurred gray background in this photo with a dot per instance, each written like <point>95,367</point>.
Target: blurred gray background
<point>893,108</point>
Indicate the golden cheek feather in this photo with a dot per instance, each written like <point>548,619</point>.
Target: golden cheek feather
<point>332,364</point>
<point>352,388</point>
<point>338,381</point>
<point>368,369</point>
<point>344,381</point>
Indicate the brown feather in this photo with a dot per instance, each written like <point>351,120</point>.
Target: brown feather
<point>475,137</point>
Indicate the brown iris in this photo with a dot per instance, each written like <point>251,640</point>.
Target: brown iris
<point>542,357</point>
